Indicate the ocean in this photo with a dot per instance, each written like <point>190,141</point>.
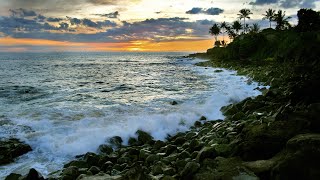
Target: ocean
<point>66,104</point>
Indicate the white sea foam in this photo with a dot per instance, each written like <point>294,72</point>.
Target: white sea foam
<point>55,139</point>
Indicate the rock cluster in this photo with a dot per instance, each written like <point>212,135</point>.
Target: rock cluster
<point>12,148</point>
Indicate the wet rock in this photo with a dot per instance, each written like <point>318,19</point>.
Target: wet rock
<point>13,176</point>
<point>189,170</point>
<point>229,110</point>
<point>137,173</point>
<point>123,160</point>
<point>144,154</point>
<point>144,137</point>
<point>223,150</point>
<point>105,149</point>
<point>94,170</point>
<point>263,141</point>
<point>179,141</point>
<point>238,116</point>
<point>99,177</point>
<point>152,158</point>
<point>132,141</point>
<point>169,149</point>
<point>77,163</point>
<point>197,124</point>
<point>91,159</point>
<point>159,144</point>
<point>180,164</point>
<point>169,171</point>
<point>203,118</point>
<point>157,169</point>
<point>184,155</point>
<point>168,178</point>
<point>12,148</point>
<point>174,103</point>
<point>300,160</point>
<point>32,175</point>
<point>116,141</point>
<point>206,152</point>
<point>261,168</point>
<point>224,168</point>
<point>70,173</point>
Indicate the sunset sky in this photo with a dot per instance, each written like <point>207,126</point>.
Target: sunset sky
<point>125,25</point>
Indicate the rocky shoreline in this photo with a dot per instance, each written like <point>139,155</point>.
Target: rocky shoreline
<point>268,137</point>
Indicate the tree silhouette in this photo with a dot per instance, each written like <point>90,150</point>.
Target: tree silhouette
<point>215,31</point>
<point>255,28</point>
<point>270,13</point>
<point>309,20</point>
<point>223,27</point>
<point>237,26</point>
<point>244,14</point>
<point>281,20</point>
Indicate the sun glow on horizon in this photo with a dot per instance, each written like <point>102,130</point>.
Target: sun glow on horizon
<point>43,45</point>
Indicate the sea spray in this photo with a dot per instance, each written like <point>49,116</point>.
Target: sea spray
<point>75,119</point>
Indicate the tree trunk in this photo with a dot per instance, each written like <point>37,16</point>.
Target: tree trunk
<point>270,23</point>
<point>244,25</point>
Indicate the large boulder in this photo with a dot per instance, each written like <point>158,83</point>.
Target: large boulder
<point>261,141</point>
<point>12,148</point>
<point>32,175</point>
<point>223,168</point>
<point>116,141</point>
<point>144,137</point>
<point>300,160</point>
<point>206,152</point>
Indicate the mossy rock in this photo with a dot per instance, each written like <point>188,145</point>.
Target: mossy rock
<point>223,150</point>
<point>12,148</point>
<point>300,159</point>
<point>229,110</point>
<point>116,141</point>
<point>105,149</point>
<point>206,152</point>
<point>144,137</point>
<point>223,168</point>
<point>263,141</point>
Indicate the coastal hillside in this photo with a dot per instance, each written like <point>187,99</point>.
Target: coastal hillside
<point>275,135</point>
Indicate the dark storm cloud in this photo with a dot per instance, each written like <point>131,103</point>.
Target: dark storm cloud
<point>74,21</point>
<point>10,25</point>
<point>92,24</point>
<point>287,3</point>
<point>22,12</point>
<point>298,3</point>
<point>103,2</point>
<point>51,19</point>
<point>195,10</point>
<point>210,11</point>
<point>262,2</point>
<point>40,18</point>
<point>162,29</point>
<point>110,15</point>
<point>213,11</point>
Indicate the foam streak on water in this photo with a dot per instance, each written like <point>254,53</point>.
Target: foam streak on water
<point>68,104</point>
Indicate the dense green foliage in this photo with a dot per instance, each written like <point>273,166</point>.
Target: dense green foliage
<point>295,50</point>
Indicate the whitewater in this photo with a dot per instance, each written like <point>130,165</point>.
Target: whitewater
<point>66,104</point>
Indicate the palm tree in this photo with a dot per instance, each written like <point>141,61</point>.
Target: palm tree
<point>223,27</point>
<point>237,26</point>
<point>231,32</point>
<point>215,31</point>
<point>270,15</point>
<point>281,20</point>
<point>244,13</point>
<point>255,28</point>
